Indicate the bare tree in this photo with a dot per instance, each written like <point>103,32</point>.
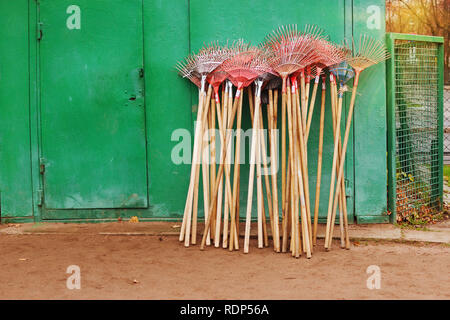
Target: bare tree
<point>429,17</point>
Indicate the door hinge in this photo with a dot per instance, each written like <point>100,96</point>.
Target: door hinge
<point>40,197</point>
<point>39,31</point>
<point>41,165</point>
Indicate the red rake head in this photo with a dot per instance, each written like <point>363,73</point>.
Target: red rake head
<point>219,75</point>
<point>313,35</point>
<point>245,66</point>
<point>216,77</point>
<point>290,50</point>
<point>316,71</point>
<point>328,54</point>
<point>261,64</point>
<point>281,48</point>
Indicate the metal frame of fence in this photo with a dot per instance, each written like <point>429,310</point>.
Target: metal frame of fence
<point>415,78</point>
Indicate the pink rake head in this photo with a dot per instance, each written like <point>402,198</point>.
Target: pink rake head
<point>328,54</point>
<point>215,79</point>
<point>316,71</point>
<point>196,67</point>
<point>219,75</point>
<point>290,50</point>
<point>244,67</point>
<point>311,56</point>
<point>261,64</point>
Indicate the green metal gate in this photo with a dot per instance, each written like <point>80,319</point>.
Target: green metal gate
<point>415,125</point>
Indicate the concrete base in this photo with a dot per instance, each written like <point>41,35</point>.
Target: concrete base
<point>439,233</point>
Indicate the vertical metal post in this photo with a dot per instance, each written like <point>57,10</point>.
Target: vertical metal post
<point>390,96</point>
<point>440,106</point>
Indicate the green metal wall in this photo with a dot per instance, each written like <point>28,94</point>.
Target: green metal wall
<point>370,123</point>
<point>170,31</point>
<point>207,25</point>
<point>15,167</point>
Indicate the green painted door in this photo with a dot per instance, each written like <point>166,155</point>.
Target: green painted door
<point>93,141</point>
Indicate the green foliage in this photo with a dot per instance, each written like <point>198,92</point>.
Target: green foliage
<point>446,172</point>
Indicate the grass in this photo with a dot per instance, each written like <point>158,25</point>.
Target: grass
<point>409,226</point>
<point>446,172</point>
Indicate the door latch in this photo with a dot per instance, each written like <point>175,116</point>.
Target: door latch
<point>40,197</point>
<point>41,166</point>
<point>39,31</point>
<point>141,72</point>
<point>348,188</point>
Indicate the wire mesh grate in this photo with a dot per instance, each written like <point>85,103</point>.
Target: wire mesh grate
<point>416,125</point>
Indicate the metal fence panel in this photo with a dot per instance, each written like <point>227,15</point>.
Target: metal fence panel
<point>415,130</point>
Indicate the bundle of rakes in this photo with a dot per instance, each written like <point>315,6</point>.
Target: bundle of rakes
<point>288,59</point>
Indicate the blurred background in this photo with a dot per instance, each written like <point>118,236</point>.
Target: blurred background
<point>427,17</point>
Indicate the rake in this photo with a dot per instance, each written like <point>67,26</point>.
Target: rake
<point>272,88</point>
<point>243,54</point>
<point>188,69</point>
<point>242,70</point>
<point>215,79</point>
<point>196,67</point>
<point>223,116</point>
<point>319,153</point>
<point>343,73</point>
<point>327,54</point>
<point>368,53</point>
<point>269,97</point>
<point>223,124</point>
<point>311,35</point>
<point>284,49</point>
<point>300,112</point>
<point>271,83</point>
<point>240,78</point>
<point>262,157</point>
<point>300,159</point>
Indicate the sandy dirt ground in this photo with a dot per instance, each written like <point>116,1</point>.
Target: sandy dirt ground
<point>159,267</point>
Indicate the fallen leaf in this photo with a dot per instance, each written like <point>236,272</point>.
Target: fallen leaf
<point>133,219</point>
